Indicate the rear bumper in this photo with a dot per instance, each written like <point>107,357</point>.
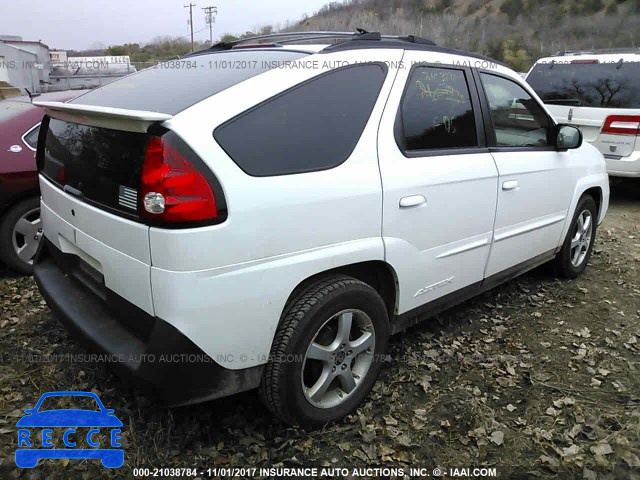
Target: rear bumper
<point>625,166</point>
<point>141,348</point>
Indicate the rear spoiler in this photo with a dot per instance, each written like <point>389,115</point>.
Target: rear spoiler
<point>106,117</point>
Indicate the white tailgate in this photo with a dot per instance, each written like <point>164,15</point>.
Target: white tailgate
<point>590,121</point>
<point>122,253</point>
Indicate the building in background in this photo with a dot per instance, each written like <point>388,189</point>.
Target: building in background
<point>30,65</point>
<point>58,57</point>
<point>88,72</point>
<point>24,64</point>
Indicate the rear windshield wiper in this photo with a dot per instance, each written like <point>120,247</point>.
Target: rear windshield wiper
<point>565,101</point>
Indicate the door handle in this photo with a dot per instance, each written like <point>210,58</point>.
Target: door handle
<point>412,201</point>
<point>510,185</point>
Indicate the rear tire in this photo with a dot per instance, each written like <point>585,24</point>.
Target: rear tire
<point>578,246</point>
<point>20,232</point>
<point>327,352</point>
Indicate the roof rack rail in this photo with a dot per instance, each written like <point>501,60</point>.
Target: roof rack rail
<point>277,39</point>
<point>598,50</point>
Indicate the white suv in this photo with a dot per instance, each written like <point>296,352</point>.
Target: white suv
<point>599,92</point>
<point>267,215</point>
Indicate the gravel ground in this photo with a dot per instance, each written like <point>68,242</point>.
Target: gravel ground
<point>538,379</point>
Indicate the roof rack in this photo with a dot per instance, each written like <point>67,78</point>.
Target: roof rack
<point>278,39</point>
<point>346,41</point>
<point>598,50</point>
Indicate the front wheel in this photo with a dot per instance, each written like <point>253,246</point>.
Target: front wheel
<point>327,353</point>
<point>578,246</point>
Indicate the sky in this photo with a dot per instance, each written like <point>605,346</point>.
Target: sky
<point>81,24</point>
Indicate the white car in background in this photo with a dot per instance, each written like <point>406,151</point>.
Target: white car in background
<point>599,92</point>
<point>270,222</point>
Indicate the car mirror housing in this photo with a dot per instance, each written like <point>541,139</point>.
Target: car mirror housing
<point>568,137</point>
<point>28,411</point>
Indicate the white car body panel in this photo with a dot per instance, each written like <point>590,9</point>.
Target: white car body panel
<point>117,248</point>
<point>530,217</point>
<point>232,312</point>
<point>441,245</point>
<point>225,286</point>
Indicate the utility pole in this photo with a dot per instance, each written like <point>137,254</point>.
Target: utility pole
<point>210,19</point>
<point>190,7</point>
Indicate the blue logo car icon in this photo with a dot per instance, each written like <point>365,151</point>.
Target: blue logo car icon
<point>28,451</point>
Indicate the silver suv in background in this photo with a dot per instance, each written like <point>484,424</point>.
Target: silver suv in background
<point>599,92</point>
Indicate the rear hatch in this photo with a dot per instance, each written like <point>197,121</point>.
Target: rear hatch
<point>89,181</point>
<point>110,170</point>
<point>600,95</point>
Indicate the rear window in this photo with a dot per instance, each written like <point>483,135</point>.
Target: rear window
<point>313,126</point>
<point>172,86</point>
<point>103,165</point>
<point>604,85</point>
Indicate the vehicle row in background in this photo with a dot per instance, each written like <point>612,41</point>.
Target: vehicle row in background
<point>599,92</point>
<point>20,227</point>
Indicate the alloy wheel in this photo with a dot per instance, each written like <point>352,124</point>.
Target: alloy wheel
<point>581,240</point>
<point>26,235</point>
<point>338,358</point>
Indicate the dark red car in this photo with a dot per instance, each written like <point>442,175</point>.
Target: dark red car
<point>20,228</point>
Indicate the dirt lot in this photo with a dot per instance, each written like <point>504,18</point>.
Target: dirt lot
<point>539,378</point>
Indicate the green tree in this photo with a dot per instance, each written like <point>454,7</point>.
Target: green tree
<point>228,38</point>
<point>515,56</point>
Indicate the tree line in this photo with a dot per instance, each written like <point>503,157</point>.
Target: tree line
<point>515,32</point>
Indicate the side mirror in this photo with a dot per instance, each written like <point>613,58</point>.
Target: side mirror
<point>29,411</point>
<point>568,137</point>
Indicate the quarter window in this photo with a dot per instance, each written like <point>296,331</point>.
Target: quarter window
<point>436,111</point>
<point>314,126</point>
<point>31,138</point>
<point>518,119</point>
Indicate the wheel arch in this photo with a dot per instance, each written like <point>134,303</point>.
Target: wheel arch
<point>596,194</point>
<point>11,201</point>
<point>595,186</point>
<point>378,274</point>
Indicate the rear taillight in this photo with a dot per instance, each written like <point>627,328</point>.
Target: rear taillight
<point>172,189</point>
<point>622,125</point>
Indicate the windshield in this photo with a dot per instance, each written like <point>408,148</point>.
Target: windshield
<point>172,86</point>
<point>604,85</point>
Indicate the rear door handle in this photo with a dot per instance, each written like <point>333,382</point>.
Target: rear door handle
<point>510,185</point>
<point>412,201</point>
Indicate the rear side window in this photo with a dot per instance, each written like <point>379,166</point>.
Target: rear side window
<point>603,85</point>
<point>314,126</point>
<point>31,138</point>
<point>172,86</point>
<point>436,111</point>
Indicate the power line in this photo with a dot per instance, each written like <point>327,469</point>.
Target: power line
<point>190,7</point>
<point>194,33</point>
<point>210,19</point>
